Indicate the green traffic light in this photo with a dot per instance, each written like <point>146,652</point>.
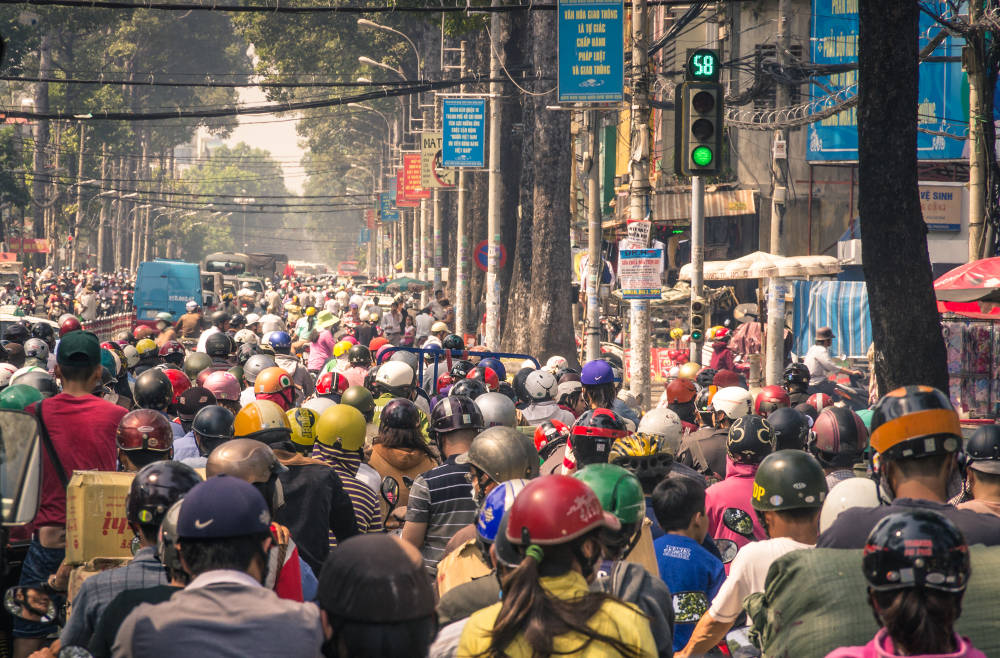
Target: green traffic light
<point>702,156</point>
<point>696,335</point>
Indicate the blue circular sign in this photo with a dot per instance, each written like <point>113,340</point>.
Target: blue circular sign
<point>482,255</point>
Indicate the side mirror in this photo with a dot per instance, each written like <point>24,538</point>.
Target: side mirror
<point>390,491</point>
<point>20,467</point>
<point>30,603</point>
<point>727,549</point>
<point>738,521</point>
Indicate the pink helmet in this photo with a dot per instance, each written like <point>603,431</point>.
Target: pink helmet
<point>223,385</point>
<point>351,339</point>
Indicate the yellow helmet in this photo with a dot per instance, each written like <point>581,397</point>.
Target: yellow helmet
<point>145,346</point>
<point>260,416</point>
<point>712,331</point>
<point>341,424</point>
<point>688,370</point>
<point>634,445</point>
<point>340,349</point>
<point>676,333</point>
<point>303,422</point>
<point>311,311</point>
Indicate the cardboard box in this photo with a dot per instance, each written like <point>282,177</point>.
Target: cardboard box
<point>95,516</point>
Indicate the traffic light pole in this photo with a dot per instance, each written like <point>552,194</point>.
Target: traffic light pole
<point>697,254</point>
<point>594,261</point>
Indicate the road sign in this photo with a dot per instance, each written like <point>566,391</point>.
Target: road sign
<point>464,134</point>
<point>482,254</point>
<point>591,51</point>
<point>402,201</point>
<point>432,174</point>
<point>412,190</point>
<point>387,209</point>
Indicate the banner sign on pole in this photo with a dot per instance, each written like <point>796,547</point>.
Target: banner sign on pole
<point>370,218</point>
<point>464,134</point>
<point>402,201</point>
<point>638,234</point>
<point>365,236</point>
<point>28,245</point>
<point>387,209</point>
<point>639,273</point>
<point>432,174</point>
<point>591,51</point>
<point>412,190</point>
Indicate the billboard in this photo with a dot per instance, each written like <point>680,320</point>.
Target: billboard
<point>591,51</point>
<point>464,134</point>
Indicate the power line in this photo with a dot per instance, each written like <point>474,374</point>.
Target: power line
<point>277,8</point>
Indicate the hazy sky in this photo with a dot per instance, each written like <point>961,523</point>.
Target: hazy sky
<point>265,131</point>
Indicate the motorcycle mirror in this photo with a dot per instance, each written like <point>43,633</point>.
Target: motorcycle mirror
<point>727,549</point>
<point>30,604</point>
<point>738,521</point>
<point>20,467</point>
<point>390,491</point>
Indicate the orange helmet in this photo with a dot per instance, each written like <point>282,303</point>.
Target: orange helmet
<point>272,380</point>
<point>260,416</point>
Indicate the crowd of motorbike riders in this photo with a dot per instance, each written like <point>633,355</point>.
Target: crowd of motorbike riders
<point>304,488</point>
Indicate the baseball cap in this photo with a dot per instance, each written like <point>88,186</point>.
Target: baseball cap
<point>191,401</point>
<point>223,506</point>
<point>79,349</point>
<point>597,372</point>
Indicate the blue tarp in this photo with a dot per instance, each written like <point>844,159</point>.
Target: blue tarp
<point>840,305</point>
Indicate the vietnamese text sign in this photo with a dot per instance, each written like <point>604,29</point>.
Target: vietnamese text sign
<point>941,206</point>
<point>402,201</point>
<point>412,189</point>
<point>638,234</point>
<point>639,273</point>
<point>387,209</point>
<point>591,51</point>
<point>464,134</point>
<point>28,245</point>
<point>432,174</point>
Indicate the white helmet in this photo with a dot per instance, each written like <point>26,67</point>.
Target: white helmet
<point>394,375</point>
<point>497,409</point>
<point>319,405</point>
<point>438,327</point>
<point>23,371</point>
<point>245,336</point>
<point>527,363</point>
<point>36,348</point>
<point>191,306</point>
<point>733,401</point>
<point>6,370</point>
<point>852,492</point>
<point>131,356</point>
<point>665,424</point>
<point>540,385</point>
<point>555,363</point>
<point>252,318</point>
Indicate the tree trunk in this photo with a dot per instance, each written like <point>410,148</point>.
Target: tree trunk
<point>905,323</point>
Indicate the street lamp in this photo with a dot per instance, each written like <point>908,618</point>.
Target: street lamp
<point>372,25</point>
<point>244,201</point>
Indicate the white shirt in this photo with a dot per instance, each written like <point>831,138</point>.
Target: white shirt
<point>539,412</point>
<point>747,575</point>
<point>423,323</point>
<point>211,331</point>
<point>820,364</point>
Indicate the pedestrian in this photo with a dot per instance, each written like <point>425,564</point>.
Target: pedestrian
<point>820,365</point>
<point>982,480</point>
<point>409,331</point>
<point>423,322</point>
<point>392,324</point>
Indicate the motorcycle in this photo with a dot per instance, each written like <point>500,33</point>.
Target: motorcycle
<point>853,394</point>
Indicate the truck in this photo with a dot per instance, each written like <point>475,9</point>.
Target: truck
<point>165,286</point>
<point>10,271</point>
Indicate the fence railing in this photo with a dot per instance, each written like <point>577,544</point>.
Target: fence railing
<point>109,325</point>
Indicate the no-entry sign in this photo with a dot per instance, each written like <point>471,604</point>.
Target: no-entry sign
<point>482,255</point>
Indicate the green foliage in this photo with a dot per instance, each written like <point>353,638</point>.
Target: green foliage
<point>12,188</point>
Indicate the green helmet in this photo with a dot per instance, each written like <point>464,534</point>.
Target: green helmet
<point>502,453</point>
<point>361,399</point>
<point>19,396</point>
<point>194,363</point>
<point>618,490</point>
<point>237,372</point>
<point>788,479</point>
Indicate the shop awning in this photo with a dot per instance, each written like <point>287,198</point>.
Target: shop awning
<point>677,207</point>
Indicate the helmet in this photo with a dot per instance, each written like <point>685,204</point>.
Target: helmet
<point>732,401</point>
<point>676,333</point>
<point>340,348</point>
<point>681,391</point>
<point>16,333</point>
<point>455,412</point>
<point>214,422</point>
<point>191,306</point>
<point>218,345</point>
<point>502,453</point>
<point>153,390</point>
<point>394,377</point>
<point>596,373</point>
<point>453,342</point>
<point>68,325</point>
<point>245,351</point>
<point>750,440</point>
<point>852,492</point>
<point>318,404</point>
<point>146,347</point>
<point>142,332</point>
<point>706,377</point>
<point>790,429</point>
<point>331,382</point>
<point>375,343</point>
<point>982,450</point>
<point>303,422</point>
<point>443,383</point>
<point>497,410</point>
<point>223,386</point>
<point>494,506</point>
<point>820,401</point>
<point>839,438</point>
<point>593,433</point>
<point>789,479</point>
<point>219,318</point>
<point>549,435</point>
<point>155,488</point>
<point>361,399</point>
<point>272,380</point>
<point>770,398</point>
<point>259,416</point>
<point>915,421</point>
<point>666,425</point>
<point>646,456</point>
<point>246,337</point>
<point>438,327</point>
<point>166,549</point>
<point>359,356</point>
<point>688,371</point>
<point>796,378</point>
<point>191,401</point>
<point>540,385</point>
<point>496,365</point>
<point>617,489</point>
<point>341,424</point>
<point>471,388</point>
<point>555,363</point>
<point>892,560</point>
<point>6,370</point>
<point>486,375</point>
<point>144,429</point>
<point>170,348</point>
<point>131,356</point>
<point>36,348</point>
<point>44,331</point>
<point>257,364</point>
<point>246,459</point>
<point>194,363</point>
<point>409,358</point>
<point>399,413</point>
<point>178,382</point>
<point>279,341</point>
<point>461,368</point>
<point>19,396</point>
<point>556,509</point>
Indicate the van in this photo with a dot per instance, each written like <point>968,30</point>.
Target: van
<point>211,290</point>
<point>165,285</point>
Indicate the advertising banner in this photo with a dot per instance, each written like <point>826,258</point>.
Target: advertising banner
<point>639,273</point>
<point>464,134</point>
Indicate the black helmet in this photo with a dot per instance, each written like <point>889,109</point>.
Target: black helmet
<point>370,380</point>
<point>790,428</point>
<point>16,333</point>
<point>916,548</point>
<point>218,345</point>
<point>705,377</point>
<point>470,388</point>
<point>456,412</point>
<point>751,439</point>
<point>461,368</point>
<point>399,413</point>
<point>359,356</point>
<point>796,378</point>
<point>453,342</point>
<point>505,388</point>
<point>839,437</point>
<point>983,449</point>
<point>237,322</point>
<point>153,390</point>
<point>155,488</point>
<point>245,351</point>
<point>219,318</point>
<point>214,422</point>
<point>789,479</point>
<point>914,421</point>
<point>519,379</point>
<point>593,434</point>
<point>43,331</point>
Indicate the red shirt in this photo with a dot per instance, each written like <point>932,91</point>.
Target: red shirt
<point>83,432</point>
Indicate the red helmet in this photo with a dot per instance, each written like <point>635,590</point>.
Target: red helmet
<point>556,509</point>
<point>549,431</point>
<point>820,401</point>
<point>178,380</point>
<point>486,375</point>
<point>771,398</point>
<point>171,347</point>
<point>376,343</point>
<point>721,333</point>
<point>443,382</point>
<point>142,331</point>
<point>144,429</point>
<point>331,382</point>
<point>681,391</point>
<point>68,325</point>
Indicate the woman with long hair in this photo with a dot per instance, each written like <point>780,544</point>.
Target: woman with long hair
<point>547,608</point>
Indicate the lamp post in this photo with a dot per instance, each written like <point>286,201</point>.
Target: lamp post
<point>372,25</point>
<point>244,201</point>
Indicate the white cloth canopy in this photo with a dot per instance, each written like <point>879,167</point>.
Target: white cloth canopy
<point>762,265</point>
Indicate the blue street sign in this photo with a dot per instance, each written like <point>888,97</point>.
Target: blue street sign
<point>365,236</point>
<point>591,51</point>
<point>387,207</point>
<point>942,98</point>
<point>464,132</point>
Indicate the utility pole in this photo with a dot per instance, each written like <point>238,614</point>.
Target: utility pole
<point>79,199</point>
<point>461,235</point>
<point>42,178</point>
<point>971,59</point>
<point>104,210</point>
<point>594,261</point>
<point>697,253</point>
<point>492,338</point>
<point>438,251</point>
<point>639,196</point>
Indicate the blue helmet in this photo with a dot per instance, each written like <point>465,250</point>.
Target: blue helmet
<point>495,506</point>
<point>279,341</point>
<point>496,364</point>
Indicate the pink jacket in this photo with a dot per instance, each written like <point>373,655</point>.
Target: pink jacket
<point>320,350</point>
<point>735,491</point>
<point>881,646</point>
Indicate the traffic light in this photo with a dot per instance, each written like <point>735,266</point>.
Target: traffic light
<point>698,112</point>
<point>698,319</point>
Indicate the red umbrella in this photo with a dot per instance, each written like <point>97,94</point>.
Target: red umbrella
<point>972,290</point>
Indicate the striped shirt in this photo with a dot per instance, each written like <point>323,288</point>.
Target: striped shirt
<point>441,498</point>
<point>367,511</point>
